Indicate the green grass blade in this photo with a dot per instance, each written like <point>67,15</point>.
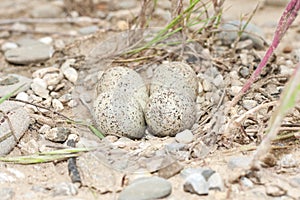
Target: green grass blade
<point>96,131</point>
<point>5,97</point>
<point>44,157</point>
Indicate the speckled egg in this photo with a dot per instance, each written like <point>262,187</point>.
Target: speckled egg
<point>119,114</point>
<point>169,112</point>
<point>125,81</point>
<point>175,75</point>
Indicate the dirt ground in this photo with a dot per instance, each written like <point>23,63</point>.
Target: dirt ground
<point>279,179</point>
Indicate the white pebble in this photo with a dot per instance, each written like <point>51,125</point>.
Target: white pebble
<point>46,40</point>
<point>57,105</point>
<point>71,74</point>
<point>8,45</point>
<point>22,96</point>
<point>72,103</point>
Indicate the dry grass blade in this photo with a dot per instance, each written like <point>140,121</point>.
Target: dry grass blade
<point>288,100</point>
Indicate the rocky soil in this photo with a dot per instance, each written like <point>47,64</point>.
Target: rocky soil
<point>55,53</point>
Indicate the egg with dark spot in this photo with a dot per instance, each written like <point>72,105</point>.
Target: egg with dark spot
<point>123,80</point>
<point>119,114</point>
<point>169,112</point>
<point>175,75</point>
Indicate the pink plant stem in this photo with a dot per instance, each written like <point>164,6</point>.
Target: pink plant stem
<point>287,18</point>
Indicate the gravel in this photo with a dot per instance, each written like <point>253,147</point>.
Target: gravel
<point>146,189</point>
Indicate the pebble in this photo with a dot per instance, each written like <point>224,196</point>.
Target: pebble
<point>170,170</point>
<point>11,82</point>
<point>229,32</point>
<point>246,44</point>
<point>248,104</point>
<point>215,182</point>
<point>239,162</point>
<point>234,90</point>
<point>244,72</point>
<point>196,184</point>
<point>20,121</point>
<point>73,103</point>
<point>46,40</point>
<point>285,70</point>
<point>184,137</point>
<point>247,182</point>
<point>57,105</point>
<point>25,55</point>
<point>71,74</point>
<point>275,191</point>
<point>88,30</point>
<point>64,189</point>
<point>7,193</point>
<point>288,161</point>
<point>146,189</point>
<point>65,98</point>
<point>8,45</point>
<point>23,96</point>
<point>39,87</point>
<point>174,147</point>
<point>207,87</point>
<point>46,11</point>
<point>57,134</point>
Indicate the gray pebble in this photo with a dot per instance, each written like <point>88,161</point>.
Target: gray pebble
<point>64,189</point>
<point>247,182</point>
<point>57,105</point>
<point>184,137</point>
<point>229,32</point>
<point>288,161</point>
<point>88,30</point>
<point>196,184</point>
<point>20,121</point>
<point>215,182</point>
<point>248,104</point>
<point>29,54</point>
<point>8,45</point>
<point>174,147</point>
<point>12,82</point>
<point>244,72</point>
<point>57,134</point>
<point>39,87</point>
<point>46,11</point>
<point>239,162</point>
<point>146,189</point>
<point>7,193</point>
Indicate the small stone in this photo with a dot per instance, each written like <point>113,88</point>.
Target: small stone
<point>174,147</point>
<point>244,72</point>
<point>65,98</point>
<point>7,193</point>
<point>73,103</point>
<point>206,85</point>
<point>215,182</point>
<point>248,104</point>
<point>285,70</point>
<point>46,40</point>
<point>184,137</point>
<point>71,74</point>
<point>29,54</point>
<point>11,82</point>
<point>247,182</point>
<point>196,184</point>
<point>170,170</point>
<point>234,90</point>
<point>44,129</point>
<point>275,191</point>
<point>146,189</point>
<point>218,81</point>
<point>88,30</point>
<point>8,45</point>
<point>239,162</point>
<point>53,79</point>
<point>39,87</point>
<point>57,134</point>
<point>23,96</point>
<point>246,44</point>
<point>57,105</point>
<point>288,161</point>
<point>19,120</point>
<point>64,189</point>
<point>46,11</point>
